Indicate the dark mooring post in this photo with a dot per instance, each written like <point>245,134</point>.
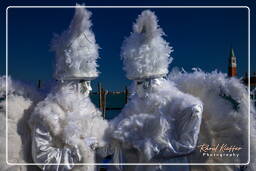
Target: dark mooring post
<point>126,94</point>
<point>104,102</point>
<point>39,84</point>
<point>100,96</point>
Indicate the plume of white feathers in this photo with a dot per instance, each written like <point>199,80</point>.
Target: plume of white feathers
<point>76,49</point>
<point>145,53</point>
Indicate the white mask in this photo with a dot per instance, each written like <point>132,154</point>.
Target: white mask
<point>81,87</point>
<point>86,87</point>
<point>144,87</point>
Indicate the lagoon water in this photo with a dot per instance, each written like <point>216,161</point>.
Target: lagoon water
<point>112,101</point>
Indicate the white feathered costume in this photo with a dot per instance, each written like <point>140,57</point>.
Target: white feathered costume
<point>66,126</point>
<point>66,130</point>
<point>21,100</point>
<point>147,121</point>
<point>225,117</point>
<point>159,124</point>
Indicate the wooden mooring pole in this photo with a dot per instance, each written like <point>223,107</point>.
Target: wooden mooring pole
<point>100,97</point>
<point>39,84</point>
<point>126,94</point>
<point>102,94</point>
<point>104,102</point>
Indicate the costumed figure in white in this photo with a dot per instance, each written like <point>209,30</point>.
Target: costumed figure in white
<point>159,124</point>
<point>66,126</point>
<point>17,100</point>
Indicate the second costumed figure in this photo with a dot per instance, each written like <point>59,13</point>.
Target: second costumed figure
<point>159,124</point>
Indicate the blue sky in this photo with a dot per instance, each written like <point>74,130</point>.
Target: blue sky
<point>200,38</point>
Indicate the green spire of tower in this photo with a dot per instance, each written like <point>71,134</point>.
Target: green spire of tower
<point>232,53</point>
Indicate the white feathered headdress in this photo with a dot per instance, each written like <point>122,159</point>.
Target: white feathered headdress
<point>145,53</point>
<point>76,49</point>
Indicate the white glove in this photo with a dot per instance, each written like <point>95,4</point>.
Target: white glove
<point>91,142</point>
<point>197,109</point>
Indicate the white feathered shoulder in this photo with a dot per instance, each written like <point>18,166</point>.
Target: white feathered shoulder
<point>21,99</point>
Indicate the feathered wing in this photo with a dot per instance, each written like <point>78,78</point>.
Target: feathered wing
<point>21,99</point>
<point>225,116</point>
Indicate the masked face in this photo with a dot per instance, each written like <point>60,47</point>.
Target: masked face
<point>80,87</point>
<point>86,87</point>
<point>144,87</point>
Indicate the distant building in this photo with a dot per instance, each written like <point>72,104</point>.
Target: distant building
<point>232,72</point>
<point>232,66</point>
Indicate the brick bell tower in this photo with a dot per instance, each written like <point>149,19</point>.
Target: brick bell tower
<point>232,70</point>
